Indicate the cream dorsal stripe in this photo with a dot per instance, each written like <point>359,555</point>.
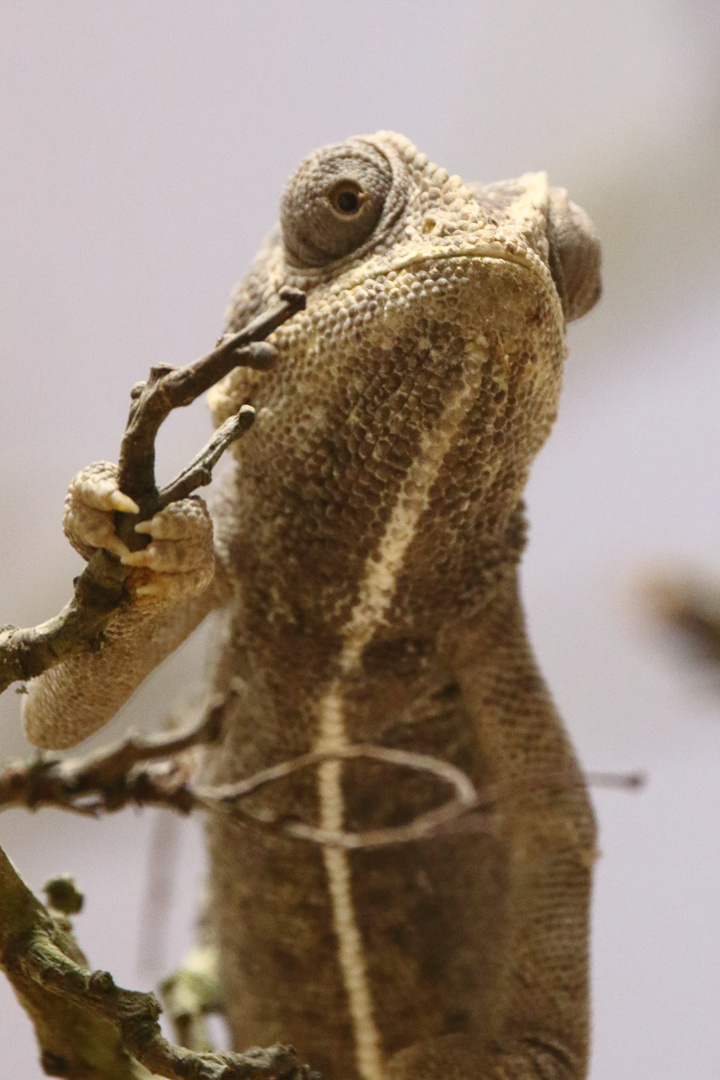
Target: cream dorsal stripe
<point>376,593</point>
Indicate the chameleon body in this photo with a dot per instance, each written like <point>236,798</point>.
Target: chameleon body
<point>366,560</point>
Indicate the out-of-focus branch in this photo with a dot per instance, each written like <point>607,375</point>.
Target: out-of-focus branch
<point>617,781</point>
<point>99,590</point>
<point>190,994</point>
<point>689,606</point>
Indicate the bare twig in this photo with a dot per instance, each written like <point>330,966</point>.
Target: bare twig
<point>617,781</point>
<point>199,471</point>
<point>111,778</point>
<point>172,388</point>
<point>432,823</point>
<point>153,772</point>
<point>99,590</point>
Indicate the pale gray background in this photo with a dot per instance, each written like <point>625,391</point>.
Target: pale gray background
<point>144,145</point>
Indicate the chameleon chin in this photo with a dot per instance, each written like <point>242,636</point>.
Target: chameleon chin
<point>365,559</point>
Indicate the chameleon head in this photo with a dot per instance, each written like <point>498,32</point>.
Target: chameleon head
<point>427,364</point>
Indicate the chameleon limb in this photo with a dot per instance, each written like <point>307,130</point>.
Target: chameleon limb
<point>99,589</point>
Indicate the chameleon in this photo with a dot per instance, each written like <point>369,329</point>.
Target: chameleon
<point>363,557</point>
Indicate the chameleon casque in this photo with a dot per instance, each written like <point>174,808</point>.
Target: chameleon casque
<point>366,559</point>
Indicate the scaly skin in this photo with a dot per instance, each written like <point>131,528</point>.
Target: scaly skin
<point>367,563</point>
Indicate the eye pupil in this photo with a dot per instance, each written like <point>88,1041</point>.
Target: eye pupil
<point>348,202</point>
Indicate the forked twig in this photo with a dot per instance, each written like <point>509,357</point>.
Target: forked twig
<point>170,388</point>
<point>432,823</point>
<point>99,590</point>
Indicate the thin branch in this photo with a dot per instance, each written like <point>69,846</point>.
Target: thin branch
<point>432,823</point>
<point>171,388</point>
<point>199,471</point>
<point>157,772</point>
<point>617,781</point>
<point>110,779</point>
<point>100,589</point>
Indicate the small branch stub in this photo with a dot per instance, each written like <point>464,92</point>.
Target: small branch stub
<point>63,895</point>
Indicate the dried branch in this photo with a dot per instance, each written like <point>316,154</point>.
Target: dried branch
<point>199,471</point>
<point>170,388</point>
<point>99,590</point>
<point>87,1026</point>
<point>432,823</point>
<point>156,771</point>
<point>111,779</point>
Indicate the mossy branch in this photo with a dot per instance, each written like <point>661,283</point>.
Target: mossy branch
<point>88,1028</point>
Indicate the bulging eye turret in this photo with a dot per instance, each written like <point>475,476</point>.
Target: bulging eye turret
<point>334,201</point>
<point>574,255</point>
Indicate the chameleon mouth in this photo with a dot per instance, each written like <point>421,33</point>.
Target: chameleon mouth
<point>494,251</point>
<point>484,252</point>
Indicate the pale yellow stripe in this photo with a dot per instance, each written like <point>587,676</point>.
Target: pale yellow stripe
<point>382,568</point>
<point>376,593</point>
<point>337,866</point>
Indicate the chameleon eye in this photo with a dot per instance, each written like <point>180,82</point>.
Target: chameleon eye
<point>334,201</point>
<point>347,198</point>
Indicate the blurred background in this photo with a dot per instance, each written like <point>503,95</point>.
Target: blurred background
<point>144,147</point>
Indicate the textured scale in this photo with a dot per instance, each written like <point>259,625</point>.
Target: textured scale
<point>369,547</point>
